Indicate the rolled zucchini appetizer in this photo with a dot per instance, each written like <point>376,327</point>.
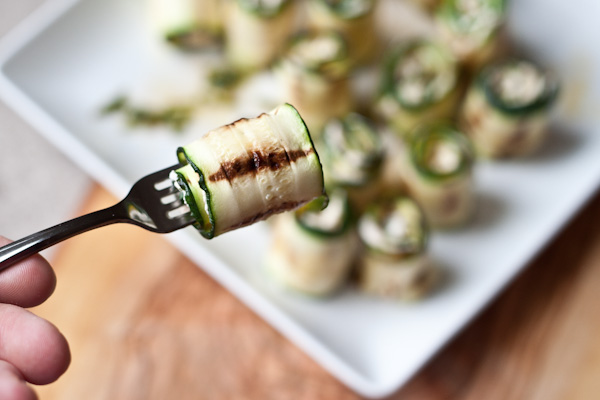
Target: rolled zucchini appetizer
<point>438,174</point>
<point>314,73</point>
<point>354,19</point>
<point>352,152</point>
<point>471,28</point>
<point>313,251</point>
<point>244,172</point>
<point>187,24</point>
<point>506,109</point>
<point>256,31</point>
<point>420,83</point>
<point>395,264</point>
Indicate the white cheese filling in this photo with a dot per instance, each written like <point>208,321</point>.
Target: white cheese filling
<point>400,232</point>
<point>316,51</point>
<point>331,219</point>
<point>423,76</point>
<point>444,158</point>
<point>519,84</point>
<point>477,16</point>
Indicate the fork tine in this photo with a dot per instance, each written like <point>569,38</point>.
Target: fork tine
<point>171,198</point>
<point>181,213</point>
<point>175,204</point>
<point>168,190</point>
<point>162,184</point>
<point>159,203</point>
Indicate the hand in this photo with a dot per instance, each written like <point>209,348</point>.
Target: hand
<point>31,349</point>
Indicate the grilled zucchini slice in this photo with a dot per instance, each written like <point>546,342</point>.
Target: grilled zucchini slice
<point>246,171</point>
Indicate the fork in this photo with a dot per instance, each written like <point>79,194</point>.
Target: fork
<point>152,203</point>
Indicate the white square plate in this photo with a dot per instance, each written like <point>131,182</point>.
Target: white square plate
<point>71,57</point>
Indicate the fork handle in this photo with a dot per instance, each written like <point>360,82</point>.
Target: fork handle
<point>29,245</point>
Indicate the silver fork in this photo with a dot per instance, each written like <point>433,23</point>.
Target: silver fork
<point>152,203</point>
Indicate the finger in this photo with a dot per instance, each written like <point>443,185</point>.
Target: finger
<point>12,384</point>
<point>27,283</point>
<point>33,345</point>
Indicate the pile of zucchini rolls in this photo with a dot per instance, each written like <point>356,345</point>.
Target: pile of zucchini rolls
<point>398,153</point>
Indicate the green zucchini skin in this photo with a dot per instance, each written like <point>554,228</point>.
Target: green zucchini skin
<point>195,194</point>
<point>249,170</point>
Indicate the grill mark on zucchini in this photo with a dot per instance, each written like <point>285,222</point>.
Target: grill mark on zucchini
<point>286,205</point>
<point>255,161</point>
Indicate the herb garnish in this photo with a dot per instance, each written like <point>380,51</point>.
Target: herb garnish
<point>175,117</point>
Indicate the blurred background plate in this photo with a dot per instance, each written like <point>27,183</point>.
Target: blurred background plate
<point>72,57</point>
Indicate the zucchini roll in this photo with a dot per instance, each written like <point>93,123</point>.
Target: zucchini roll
<point>420,83</point>
<point>256,31</point>
<point>506,109</point>
<point>314,73</point>
<point>312,250</point>
<point>395,264</point>
<point>354,19</point>
<point>188,24</point>
<point>351,152</point>
<point>470,28</point>
<point>438,174</point>
<point>244,172</point>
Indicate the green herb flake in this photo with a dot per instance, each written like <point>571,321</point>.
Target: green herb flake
<point>175,117</point>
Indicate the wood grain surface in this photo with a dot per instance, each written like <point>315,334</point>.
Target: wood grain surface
<point>144,322</point>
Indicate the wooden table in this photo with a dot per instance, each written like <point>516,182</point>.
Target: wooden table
<point>146,323</point>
